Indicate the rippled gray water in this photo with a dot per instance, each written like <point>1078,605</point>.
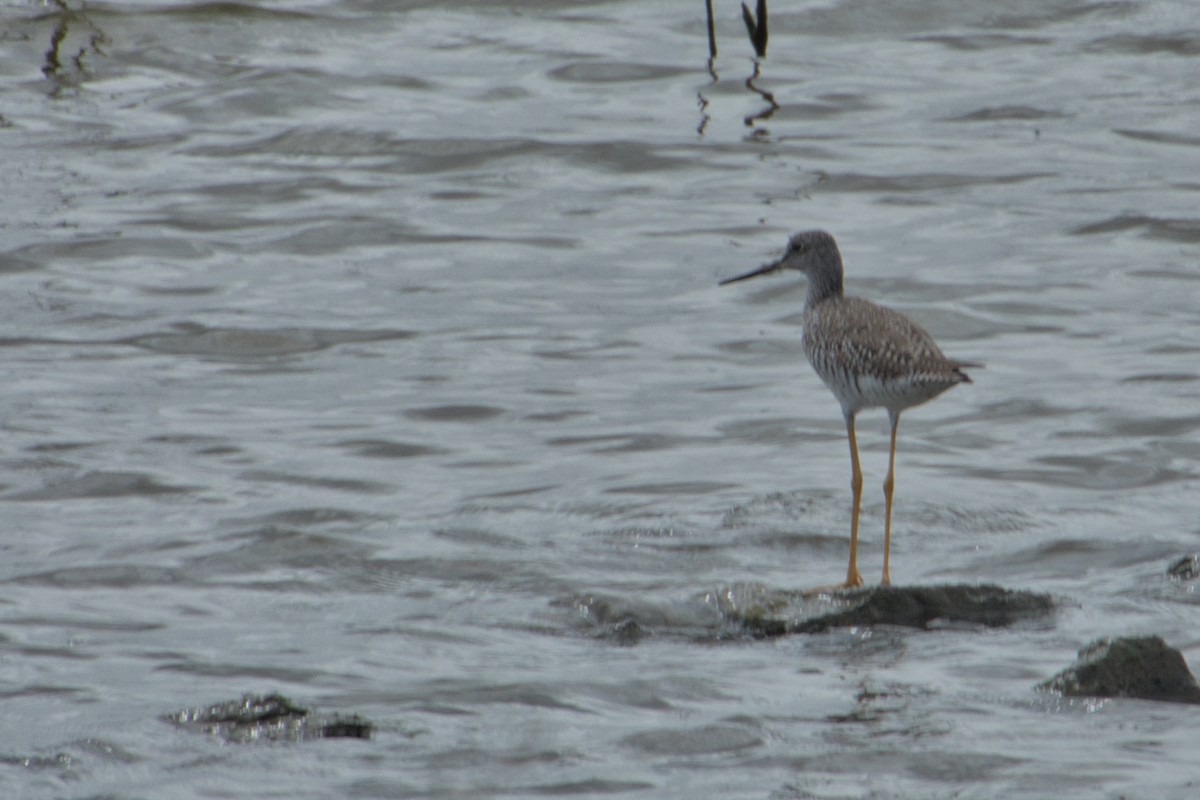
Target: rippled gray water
<point>363,351</point>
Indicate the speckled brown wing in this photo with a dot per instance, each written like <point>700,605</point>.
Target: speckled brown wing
<point>873,356</point>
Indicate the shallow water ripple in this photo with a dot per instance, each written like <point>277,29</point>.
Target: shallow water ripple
<point>372,354</point>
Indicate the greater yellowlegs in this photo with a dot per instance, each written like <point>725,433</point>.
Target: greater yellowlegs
<point>869,357</point>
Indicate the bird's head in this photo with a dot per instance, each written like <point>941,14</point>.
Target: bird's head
<point>806,252</point>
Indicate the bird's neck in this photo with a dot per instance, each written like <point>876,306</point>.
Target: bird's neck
<point>825,281</point>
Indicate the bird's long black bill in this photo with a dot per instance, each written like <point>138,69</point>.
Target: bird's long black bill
<point>754,273</point>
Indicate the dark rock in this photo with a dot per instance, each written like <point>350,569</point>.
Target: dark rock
<point>774,614</point>
<point>1185,569</point>
<point>627,632</point>
<point>270,717</point>
<point>733,611</point>
<point>1143,667</point>
<point>352,727</point>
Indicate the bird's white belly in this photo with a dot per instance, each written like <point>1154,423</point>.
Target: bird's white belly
<point>858,390</point>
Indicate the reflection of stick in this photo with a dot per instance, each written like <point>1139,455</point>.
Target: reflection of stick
<point>770,98</point>
<point>58,58</point>
<point>53,65</point>
<point>757,29</point>
<point>712,57</point>
<point>712,32</point>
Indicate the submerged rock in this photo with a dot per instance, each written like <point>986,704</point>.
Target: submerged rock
<point>271,717</point>
<point>1141,667</point>
<point>629,620</point>
<point>749,608</point>
<point>778,613</point>
<point>1185,569</point>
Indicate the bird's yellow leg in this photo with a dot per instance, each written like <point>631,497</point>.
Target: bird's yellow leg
<point>856,481</point>
<point>889,484</point>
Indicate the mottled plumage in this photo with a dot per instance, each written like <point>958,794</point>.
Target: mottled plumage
<point>869,357</point>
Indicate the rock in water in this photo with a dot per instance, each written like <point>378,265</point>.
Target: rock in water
<point>1185,569</point>
<point>777,613</point>
<point>271,717</point>
<point>924,606</point>
<point>1141,667</point>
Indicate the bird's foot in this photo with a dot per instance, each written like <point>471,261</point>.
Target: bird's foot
<point>852,582</point>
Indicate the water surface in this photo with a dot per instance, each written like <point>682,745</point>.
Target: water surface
<point>366,351</point>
